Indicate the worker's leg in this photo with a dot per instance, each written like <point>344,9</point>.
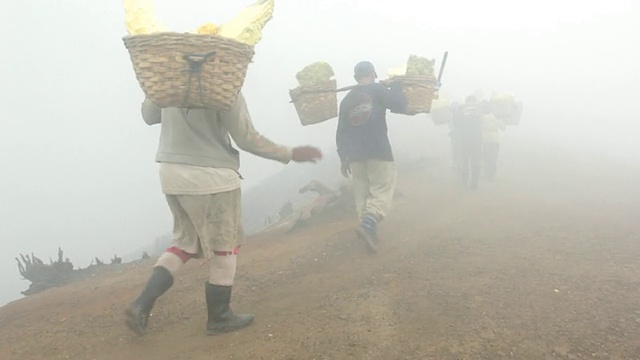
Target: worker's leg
<point>219,225</point>
<point>360,185</point>
<point>475,162</point>
<point>382,184</point>
<point>169,263</point>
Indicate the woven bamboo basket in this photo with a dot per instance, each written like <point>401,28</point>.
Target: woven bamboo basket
<point>419,92</point>
<point>317,103</point>
<point>506,108</point>
<point>513,116</point>
<point>189,70</point>
<point>502,107</point>
<point>441,112</point>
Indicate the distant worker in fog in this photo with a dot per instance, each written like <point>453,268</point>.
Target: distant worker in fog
<point>467,123</point>
<point>455,142</point>
<point>491,134</point>
<point>364,148</point>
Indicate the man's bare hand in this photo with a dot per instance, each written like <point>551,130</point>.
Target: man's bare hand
<point>306,154</point>
<point>345,169</point>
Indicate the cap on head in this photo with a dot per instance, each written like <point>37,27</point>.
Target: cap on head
<point>364,68</point>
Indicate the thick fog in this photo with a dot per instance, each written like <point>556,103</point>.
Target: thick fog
<point>78,166</point>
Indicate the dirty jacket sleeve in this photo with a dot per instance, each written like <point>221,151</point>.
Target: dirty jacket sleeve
<point>393,98</point>
<point>238,123</point>
<point>151,113</point>
<point>341,136</point>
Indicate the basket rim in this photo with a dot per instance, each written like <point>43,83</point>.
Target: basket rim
<point>318,84</point>
<point>327,86</point>
<point>174,34</point>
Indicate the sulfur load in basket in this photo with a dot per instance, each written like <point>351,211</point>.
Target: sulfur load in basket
<point>202,69</point>
<point>315,98</point>
<point>505,107</point>
<point>317,103</point>
<point>189,70</point>
<point>441,112</point>
<point>514,117</point>
<point>419,90</point>
<point>418,83</point>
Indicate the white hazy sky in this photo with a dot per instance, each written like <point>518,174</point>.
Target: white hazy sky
<point>77,161</point>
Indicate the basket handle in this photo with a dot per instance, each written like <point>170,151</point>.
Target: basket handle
<point>195,62</point>
<point>350,87</point>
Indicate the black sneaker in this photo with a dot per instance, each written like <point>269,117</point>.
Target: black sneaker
<point>369,235</point>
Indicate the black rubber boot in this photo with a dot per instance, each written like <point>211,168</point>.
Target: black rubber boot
<point>137,314</point>
<point>221,317</point>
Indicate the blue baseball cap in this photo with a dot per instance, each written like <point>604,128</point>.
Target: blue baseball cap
<point>364,68</point>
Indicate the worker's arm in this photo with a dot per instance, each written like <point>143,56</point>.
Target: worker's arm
<point>238,123</point>
<point>151,113</point>
<point>341,136</point>
<point>393,98</point>
<point>341,141</point>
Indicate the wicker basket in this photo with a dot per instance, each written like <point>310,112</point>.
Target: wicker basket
<point>317,103</point>
<point>189,70</point>
<point>505,107</point>
<point>512,117</point>
<point>441,112</point>
<point>419,91</point>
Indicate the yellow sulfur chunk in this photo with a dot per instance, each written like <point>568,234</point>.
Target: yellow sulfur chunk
<point>316,73</point>
<point>418,65</point>
<point>208,28</point>
<point>247,26</point>
<point>397,71</point>
<point>140,17</point>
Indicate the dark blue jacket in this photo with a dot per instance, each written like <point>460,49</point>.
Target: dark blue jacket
<point>362,122</point>
<point>467,121</point>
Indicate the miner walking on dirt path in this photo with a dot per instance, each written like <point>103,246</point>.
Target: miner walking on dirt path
<point>455,142</point>
<point>468,128</point>
<point>200,179</point>
<point>364,148</point>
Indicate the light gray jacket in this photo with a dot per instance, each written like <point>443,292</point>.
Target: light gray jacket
<point>200,137</point>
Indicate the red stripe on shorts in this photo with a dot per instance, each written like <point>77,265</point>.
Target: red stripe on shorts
<point>183,255</point>
<point>227,253</point>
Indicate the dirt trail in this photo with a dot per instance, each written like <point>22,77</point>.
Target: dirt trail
<point>530,267</point>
